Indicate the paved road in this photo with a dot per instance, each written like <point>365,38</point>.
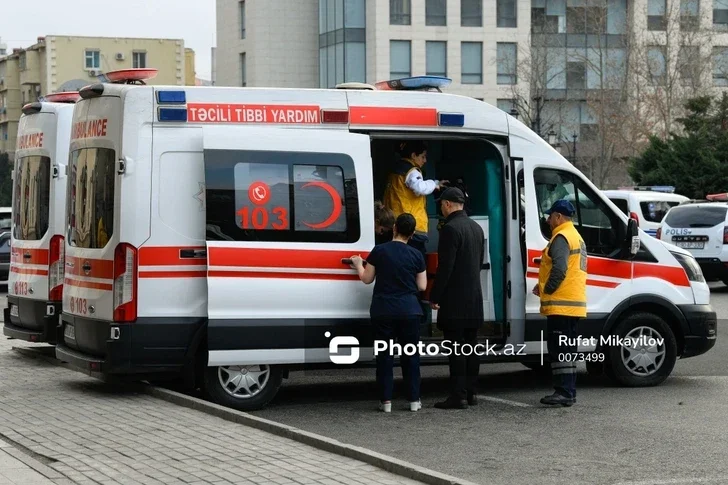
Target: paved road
<point>85,432</point>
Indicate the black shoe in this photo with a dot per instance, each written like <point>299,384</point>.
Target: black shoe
<point>472,399</point>
<point>451,403</point>
<point>557,399</point>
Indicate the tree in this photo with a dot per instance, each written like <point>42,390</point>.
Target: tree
<point>694,161</point>
<point>6,183</point>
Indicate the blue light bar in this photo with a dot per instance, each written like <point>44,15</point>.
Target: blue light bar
<point>172,114</point>
<point>417,82</point>
<point>171,97</point>
<point>451,119</point>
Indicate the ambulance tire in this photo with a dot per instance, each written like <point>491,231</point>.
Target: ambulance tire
<point>617,370</point>
<point>215,391</point>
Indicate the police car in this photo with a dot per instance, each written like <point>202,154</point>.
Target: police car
<point>646,204</point>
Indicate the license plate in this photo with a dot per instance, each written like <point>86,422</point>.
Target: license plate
<point>69,332</point>
<point>690,245</point>
<point>14,311</point>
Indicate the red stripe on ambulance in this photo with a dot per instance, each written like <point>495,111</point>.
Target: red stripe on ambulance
<point>253,113</point>
<point>373,115</point>
<point>279,258</point>
<point>35,256</point>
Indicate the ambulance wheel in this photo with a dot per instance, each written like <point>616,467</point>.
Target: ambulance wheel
<point>650,359</point>
<point>243,387</point>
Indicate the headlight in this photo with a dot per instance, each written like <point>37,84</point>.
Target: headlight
<point>691,266</point>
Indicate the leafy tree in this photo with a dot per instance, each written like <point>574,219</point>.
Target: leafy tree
<point>695,161</point>
<point>6,184</point>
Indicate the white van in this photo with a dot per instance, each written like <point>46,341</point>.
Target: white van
<point>702,229</point>
<point>35,285</point>
<point>647,205</point>
<point>210,229</point>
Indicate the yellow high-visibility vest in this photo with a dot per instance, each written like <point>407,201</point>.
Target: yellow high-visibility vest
<point>569,299</point>
<point>401,199</point>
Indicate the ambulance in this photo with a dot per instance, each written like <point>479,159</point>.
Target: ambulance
<point>210,231</point>
<point>35,285</point>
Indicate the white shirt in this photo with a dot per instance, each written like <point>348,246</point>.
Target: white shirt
<point>418,185</point>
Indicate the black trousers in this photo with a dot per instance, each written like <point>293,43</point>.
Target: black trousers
<point>464,369</point>
<point>563,363</point>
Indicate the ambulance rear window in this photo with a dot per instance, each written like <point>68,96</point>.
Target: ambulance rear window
<point>32,197</point>
<point>91,198</point>
<point>280,196</point>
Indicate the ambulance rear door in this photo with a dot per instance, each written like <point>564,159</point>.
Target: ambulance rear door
<point>285,209</point>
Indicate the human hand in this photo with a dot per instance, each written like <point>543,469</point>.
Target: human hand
<point>536,291</point>
<point>434,306</point>
<point>356,261</point>
<point>442,183</point>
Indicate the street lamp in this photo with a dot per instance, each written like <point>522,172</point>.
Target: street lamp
<point>536,124</point>
<point>573,136</point>
<point>514,113</point>
<point>552,138</point>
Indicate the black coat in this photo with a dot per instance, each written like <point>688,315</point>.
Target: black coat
<point>457,289</point>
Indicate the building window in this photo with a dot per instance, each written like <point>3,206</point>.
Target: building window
<point>93,59</point>
<point>139,60</point>
<point>687,56</point>
<point>689,19</point>
<point>471,13</point>
<point>506,105</point>
<point>720,66</point>
<point>400,59</point>
<point>656,19</point>
<point>243,73</point>
<point>342,42</point>
<point>471,54</point>
<point>21,61</point>
<point>575,75</point>
<point>436,58</point>
<point>656,64</point>
<point>506,59</point>
<point>435,12</point>
<point>507,13</point>
<point>720,14</point>
<point>242,19</point>
<point>400,12</point>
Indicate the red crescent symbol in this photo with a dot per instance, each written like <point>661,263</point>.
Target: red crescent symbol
<point>336,211</point>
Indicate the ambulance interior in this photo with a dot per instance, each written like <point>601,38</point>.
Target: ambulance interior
<point>479,167</point>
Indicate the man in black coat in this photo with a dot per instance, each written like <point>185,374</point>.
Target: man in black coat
<point>458,297</point>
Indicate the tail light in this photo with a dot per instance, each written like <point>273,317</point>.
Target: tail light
<point>633,215</point>
<point>659,233</point>
<point>125,283</point>
<point>725,234</point>
<point>56,268</point>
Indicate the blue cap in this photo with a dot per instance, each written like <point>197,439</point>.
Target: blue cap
<point>562,207</point>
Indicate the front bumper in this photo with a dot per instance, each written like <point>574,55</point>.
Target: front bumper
<point>702,321</point>
<point>37,320</point>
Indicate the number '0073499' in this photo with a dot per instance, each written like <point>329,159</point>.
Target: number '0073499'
<point>79,305</point>
<point>20,288</point>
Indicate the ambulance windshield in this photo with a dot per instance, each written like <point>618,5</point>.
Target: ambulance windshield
<point>90,215</point>
<point>32,197</point>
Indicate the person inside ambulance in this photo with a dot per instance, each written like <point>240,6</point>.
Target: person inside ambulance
<point>383,223</point>
<point>407,190</point>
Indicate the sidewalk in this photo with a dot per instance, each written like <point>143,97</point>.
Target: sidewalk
<point>79,430</point>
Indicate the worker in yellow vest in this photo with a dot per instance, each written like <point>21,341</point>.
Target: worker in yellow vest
<point>407,190</point>
<point>562,290</point>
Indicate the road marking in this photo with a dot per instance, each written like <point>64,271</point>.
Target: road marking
<point>505,401</point>
<point>675,481</point>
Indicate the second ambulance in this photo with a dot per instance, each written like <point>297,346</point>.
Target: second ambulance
<point>209,231</point>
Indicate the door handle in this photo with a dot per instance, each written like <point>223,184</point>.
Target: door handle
<point>348,261</point>
<point>192,253</point>
<point>86,267</point>
<point>27,256</point>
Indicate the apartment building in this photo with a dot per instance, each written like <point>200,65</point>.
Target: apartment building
<point>60,63</point>
<point>3,48</point>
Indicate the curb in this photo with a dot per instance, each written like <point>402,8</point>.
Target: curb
<point>392,465</point>
<point>387,463</point>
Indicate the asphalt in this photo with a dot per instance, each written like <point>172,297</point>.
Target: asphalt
<point>670,434</point>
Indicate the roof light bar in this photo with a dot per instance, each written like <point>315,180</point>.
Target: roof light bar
<point>334,116</point>
<point>415,83</point>
<point>63,97</point>
<point>451,119</point>
<point>669,189</point>
<point>717,197</point>
<point>172,114</point>
<point>32,108</point>
<point>171,97</point>
<point>128,76</point>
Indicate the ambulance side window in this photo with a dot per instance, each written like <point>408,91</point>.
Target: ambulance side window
<point>281,196</point>
<point>601,229</point>
<point>32,197</point>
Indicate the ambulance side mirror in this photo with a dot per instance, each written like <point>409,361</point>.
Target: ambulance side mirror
<point>632,241</point>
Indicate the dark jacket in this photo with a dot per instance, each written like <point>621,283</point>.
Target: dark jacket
<point>457,289</point>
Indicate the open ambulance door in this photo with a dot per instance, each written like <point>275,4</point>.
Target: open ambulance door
<point>285,209</point>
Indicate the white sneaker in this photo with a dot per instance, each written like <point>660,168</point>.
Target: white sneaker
<point>415,406</point>
<point>386,407</point>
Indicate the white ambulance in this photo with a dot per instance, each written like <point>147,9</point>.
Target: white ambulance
<point>210,230</point>
<point>35,285</point>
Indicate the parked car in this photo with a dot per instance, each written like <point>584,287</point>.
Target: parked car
<point>6,214</point>
<point>647,205</point>
<point>4,258</point>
